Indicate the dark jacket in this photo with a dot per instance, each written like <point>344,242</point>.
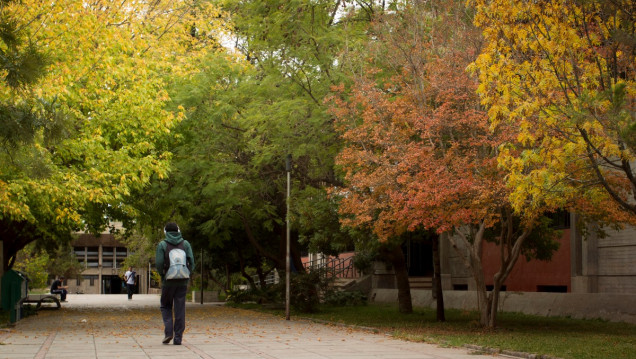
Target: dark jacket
<point>56,284</point>
<point>174,238</point>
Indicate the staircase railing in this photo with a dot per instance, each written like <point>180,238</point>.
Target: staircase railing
<point>334,267</point>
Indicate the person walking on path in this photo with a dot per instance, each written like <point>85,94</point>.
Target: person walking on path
<point>131,278</point>
<point>173,259</point>
<point>58,288</point>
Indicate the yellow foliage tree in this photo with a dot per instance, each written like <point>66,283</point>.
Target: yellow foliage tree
<point>563,70</point>
<point>100,117</point>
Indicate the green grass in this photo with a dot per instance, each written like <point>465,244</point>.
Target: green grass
<point>565,338</point>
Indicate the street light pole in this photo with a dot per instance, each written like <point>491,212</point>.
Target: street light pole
<point>287,257</point>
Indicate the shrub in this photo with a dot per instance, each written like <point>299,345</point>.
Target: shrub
<point>363,261</point>
<point>270,294</point>
<point>342,298</point>
<point>307,289</point>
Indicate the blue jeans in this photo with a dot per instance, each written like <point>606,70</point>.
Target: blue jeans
<point>61,292</point>
<point>173,300</point>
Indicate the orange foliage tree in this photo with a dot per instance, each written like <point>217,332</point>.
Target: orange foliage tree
<point>419,151</point>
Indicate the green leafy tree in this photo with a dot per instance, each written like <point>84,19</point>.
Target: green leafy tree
<point>35,265</point>
<point>243,117</point>
<point>93,109</point>
<point>63,262</point>
<point>40,265</point>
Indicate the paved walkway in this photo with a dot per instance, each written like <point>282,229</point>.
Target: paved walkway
<point>110,326</point>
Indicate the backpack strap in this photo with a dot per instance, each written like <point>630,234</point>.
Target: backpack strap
<point>166,259</point>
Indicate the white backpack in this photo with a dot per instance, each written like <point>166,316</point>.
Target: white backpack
<point>178,262</point>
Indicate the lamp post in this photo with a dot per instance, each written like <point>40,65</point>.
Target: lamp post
<point>287,257</point>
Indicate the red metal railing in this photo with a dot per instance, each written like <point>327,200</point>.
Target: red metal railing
<point>335,267</point>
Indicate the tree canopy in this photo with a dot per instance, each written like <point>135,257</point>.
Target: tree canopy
<point>92,95</point>
<point>563,71</point>
<point>419,150</point>
<point>245,114</point>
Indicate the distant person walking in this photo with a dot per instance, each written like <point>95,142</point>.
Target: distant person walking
<point>131,280</point>
<point>174,260</point>
<point>58,288</point>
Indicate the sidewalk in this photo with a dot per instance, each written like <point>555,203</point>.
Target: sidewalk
<point>110,326</point>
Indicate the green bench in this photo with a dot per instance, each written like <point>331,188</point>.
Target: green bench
<point>49,300</point>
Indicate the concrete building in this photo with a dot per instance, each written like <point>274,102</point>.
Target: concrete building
<point>603,263</point>
<point>552,276</point>
<point>590,276</point>
<point>102,258</point>
<point>585,262</point>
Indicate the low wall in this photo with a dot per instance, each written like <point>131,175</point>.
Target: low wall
<point>612,307</point>
<point>154,291</point>
<point>208,296</point>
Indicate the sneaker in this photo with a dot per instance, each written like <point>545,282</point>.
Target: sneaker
<point>176,343</point>
<point>166,340</point>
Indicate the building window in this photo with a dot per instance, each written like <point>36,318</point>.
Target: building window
<point>107,251</point>
<point>80,254</point>
<point>92,257</point>
<point>491,287</point>
<point>560,219</point>
<point>460,286</point>
<point>91,279</point>
<point>552,288</point>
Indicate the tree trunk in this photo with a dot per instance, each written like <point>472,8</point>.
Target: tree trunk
<point>262,277</point>
<point>475,250</point>
<point>296,257</point>
<point>215,280</point>
<point>228,281</point>
<point>242,266</point>
<point>437,281</point>
<point>483,302</point>
<point>2,269</point>
<point>248,278</point>
<point>280,264</point>
<point>493,303</point>
<point>511,245</point>
<point>395,255</point>
<point>510,241</point>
